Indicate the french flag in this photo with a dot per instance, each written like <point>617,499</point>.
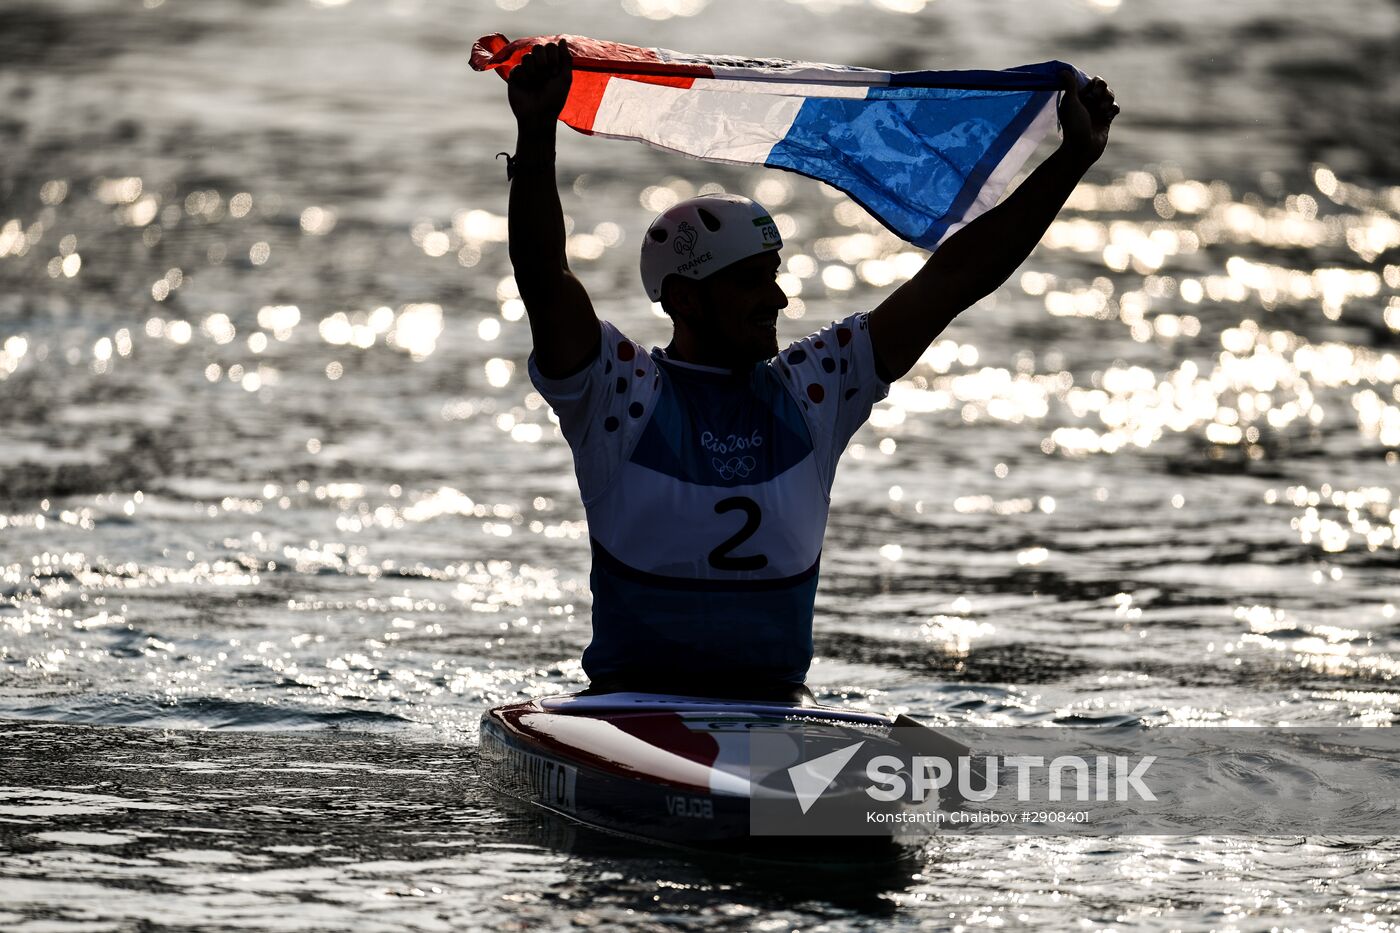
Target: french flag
<point>923,151</point>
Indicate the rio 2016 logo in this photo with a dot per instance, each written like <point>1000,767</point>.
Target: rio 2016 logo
<point>730,443</point>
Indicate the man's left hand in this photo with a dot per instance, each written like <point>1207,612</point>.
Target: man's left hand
<point>1085,115</point>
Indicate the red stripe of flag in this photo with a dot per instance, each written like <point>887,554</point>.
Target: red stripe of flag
<point>596,62</point>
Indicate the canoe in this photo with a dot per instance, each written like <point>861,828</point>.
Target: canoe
<point>676,769</point>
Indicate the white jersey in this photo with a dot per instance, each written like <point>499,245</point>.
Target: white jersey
<point>706,493</point>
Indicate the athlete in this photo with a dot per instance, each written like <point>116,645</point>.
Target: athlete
<point>706,467</point>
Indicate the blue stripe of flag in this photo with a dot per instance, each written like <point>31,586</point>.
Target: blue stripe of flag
<point>915,156</point>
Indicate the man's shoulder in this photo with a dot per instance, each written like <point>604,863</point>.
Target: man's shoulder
<point>841,332</point>
<point>619,347</point>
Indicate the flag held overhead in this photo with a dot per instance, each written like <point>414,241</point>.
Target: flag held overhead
<point>923,151</point>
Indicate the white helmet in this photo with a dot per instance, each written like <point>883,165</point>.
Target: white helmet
<point>701,236</point>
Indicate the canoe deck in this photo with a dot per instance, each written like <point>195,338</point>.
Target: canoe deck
<point>672,769</point>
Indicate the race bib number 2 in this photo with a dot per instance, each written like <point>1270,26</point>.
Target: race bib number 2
<point>722,557</point>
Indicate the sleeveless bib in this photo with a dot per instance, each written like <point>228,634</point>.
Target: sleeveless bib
<point>707,497</point>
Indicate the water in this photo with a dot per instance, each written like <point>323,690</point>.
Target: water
<point>271,467</point>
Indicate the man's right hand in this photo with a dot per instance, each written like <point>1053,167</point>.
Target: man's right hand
<point>562,322</point>
<point>539,85</point>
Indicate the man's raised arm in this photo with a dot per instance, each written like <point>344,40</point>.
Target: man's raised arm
<point>562,322</point>
<point>977,259</point>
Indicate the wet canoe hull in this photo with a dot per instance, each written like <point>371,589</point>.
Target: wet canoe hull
<point>666,768</point>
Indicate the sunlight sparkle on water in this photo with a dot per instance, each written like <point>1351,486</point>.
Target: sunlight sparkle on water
<point>1332,517</point>
<point>663,9</point>
<point>955,633</point>
<point>1192,389</point>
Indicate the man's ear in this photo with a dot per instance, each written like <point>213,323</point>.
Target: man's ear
<point>681,297</point>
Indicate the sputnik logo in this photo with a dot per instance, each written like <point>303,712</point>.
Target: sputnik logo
<point>811,778</point>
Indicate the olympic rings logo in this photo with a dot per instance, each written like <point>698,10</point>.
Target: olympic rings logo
<point>734,466</point>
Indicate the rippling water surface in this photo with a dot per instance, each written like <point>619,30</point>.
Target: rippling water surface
<point>270,466</point>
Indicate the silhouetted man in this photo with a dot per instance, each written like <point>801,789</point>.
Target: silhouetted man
<point>706,467</point>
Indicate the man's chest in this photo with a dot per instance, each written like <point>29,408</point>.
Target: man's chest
<point>721,435</point>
